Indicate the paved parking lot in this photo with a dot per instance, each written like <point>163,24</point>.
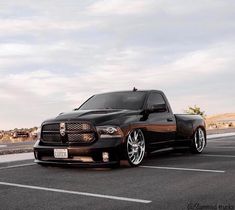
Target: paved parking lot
<point>172,180</point>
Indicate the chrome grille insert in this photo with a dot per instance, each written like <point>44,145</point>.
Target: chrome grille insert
<point>81,138</point>
<point>79,127</point>
<point>75,132</point>
<point>51,127</point>
<point>51,137</point>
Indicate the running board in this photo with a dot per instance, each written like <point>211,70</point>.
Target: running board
<point>162,150</point>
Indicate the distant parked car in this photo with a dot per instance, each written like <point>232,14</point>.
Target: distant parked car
<point>20,134</point>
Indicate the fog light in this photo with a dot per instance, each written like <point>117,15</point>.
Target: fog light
<point>87,137</point>
<point>105,156</point>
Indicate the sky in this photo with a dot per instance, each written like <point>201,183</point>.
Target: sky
<point>55,54</point>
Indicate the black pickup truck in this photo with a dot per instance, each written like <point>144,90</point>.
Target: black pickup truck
<point>116,126</point>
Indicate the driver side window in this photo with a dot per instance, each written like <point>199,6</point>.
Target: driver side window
<point>154,99</point>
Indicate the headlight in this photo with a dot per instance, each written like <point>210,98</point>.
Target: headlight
<point>109,131</point>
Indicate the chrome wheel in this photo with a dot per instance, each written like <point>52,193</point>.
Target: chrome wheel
<point>199,140</point>
<point>135,147</point>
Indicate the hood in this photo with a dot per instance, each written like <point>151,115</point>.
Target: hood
<point>97,117</point>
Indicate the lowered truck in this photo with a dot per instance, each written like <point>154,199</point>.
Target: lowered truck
<point>115,126</point>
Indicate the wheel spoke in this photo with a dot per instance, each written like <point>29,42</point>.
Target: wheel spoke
<point>131,153</point>
<point>131,144</point>
<point>135,136</point>
<point>196,141</point>
<point>130,140</point>
<point>140,143</point>
<point>142,149</point>
<point>134,157</point>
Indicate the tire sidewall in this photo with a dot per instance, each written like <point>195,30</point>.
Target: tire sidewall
<point>194,148</point>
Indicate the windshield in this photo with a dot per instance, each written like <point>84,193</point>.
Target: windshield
<point>117,100</point>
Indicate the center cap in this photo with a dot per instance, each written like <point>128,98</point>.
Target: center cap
<point>135,147</point>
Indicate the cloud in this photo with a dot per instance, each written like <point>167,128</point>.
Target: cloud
<point>50,93</point>
<point>13,26</point>
<point>121,7</point>
<point>53,58</point>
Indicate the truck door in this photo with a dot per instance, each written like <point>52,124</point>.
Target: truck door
<point>161,125</point>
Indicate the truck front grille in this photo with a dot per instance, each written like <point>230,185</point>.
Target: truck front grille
<point>75,133</point>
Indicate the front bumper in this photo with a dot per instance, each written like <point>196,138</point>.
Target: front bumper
<point>87,156</point>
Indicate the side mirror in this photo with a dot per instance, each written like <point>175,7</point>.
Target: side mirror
<point>157,108</point>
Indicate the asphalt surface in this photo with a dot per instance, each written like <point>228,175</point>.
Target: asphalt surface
<point>173,180</point>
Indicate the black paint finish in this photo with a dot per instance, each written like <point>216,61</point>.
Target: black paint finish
<point>160,126</point>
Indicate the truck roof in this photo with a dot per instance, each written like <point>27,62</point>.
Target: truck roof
<point>123,91</point>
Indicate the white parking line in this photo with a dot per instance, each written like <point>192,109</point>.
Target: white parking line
<point>17,166</point>
<point>222,147</point>
<point>227,156</point>
<point>75,192</point>
<point>221,141</point>
<point>212,136</point>
<point>183,169</point>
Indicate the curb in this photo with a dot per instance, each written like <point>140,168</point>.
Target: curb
<point>16,157</point>
<point>15,151</point>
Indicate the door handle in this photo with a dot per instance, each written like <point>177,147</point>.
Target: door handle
<point>169,120</point>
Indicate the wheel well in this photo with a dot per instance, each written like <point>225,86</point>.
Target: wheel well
<point>200,126</point>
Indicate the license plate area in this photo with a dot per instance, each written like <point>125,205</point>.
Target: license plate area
<point>61,153</point>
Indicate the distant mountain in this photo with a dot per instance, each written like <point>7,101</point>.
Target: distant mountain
<point>221,120</point>
<point>221,117</point>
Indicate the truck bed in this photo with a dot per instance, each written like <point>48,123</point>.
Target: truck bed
<point>186,125</point>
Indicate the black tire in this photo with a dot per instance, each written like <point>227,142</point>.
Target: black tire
<point>135,147</point>
<point>198,141</point>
